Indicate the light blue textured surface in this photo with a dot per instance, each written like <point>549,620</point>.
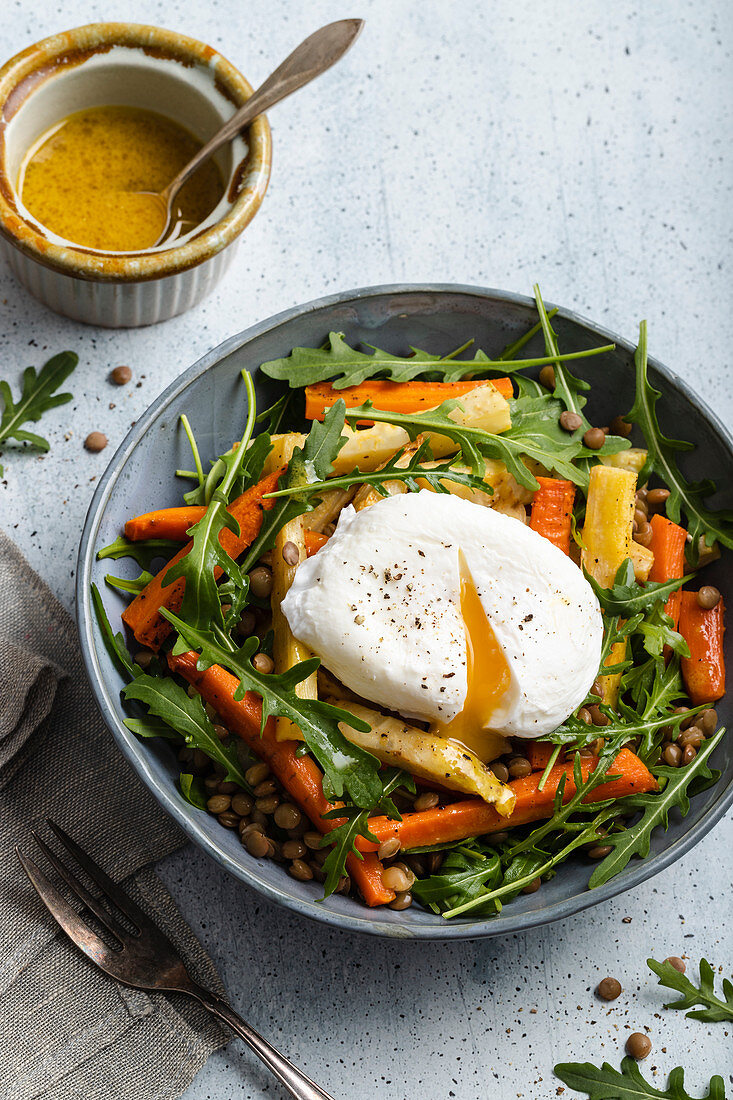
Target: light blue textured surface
<point>585,146</point>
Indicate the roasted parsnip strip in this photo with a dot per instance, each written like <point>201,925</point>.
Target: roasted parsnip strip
<point>429,757</point>
<point>286,650</point>
<point>329,509</point>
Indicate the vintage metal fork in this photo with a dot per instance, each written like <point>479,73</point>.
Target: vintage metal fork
<point>146,958</point>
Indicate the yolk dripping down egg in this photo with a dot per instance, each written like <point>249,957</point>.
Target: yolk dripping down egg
<point>451,614</point>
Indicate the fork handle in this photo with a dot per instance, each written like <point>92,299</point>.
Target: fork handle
<point>294,1080</point>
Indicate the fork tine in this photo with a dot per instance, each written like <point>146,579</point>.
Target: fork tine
<point>81,891</point>
<point>74,927</point>
<point>113,892</point>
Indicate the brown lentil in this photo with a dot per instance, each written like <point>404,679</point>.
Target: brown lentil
<point>641,504</point>
<point>344,885</point>
<point>260,582</point>
<point>692,736</point>
<point>435,862</point>
<point>95,442</point>
<point>570,421</point>
<point>263,663</point>
<point>598,718</point>
<point>688,755</point>
<point>547,377</point>
<point>294,849</point>
<point>320,856</point>
<point>394,878</point>
<point>256,773</point>
<point>644,535</point>
<point>258,818</point>
<point>312,840</point>
<point>291,554</point>
<point>288,816</point>
<point>267,786</point>
<point>427,800</point>
<point>221,731</point>
<point>655,497</point>
<point>708,597</point>
<point>597,688</point>
<point>402,901</point>
<point>501,771</point>
<point>218,803</point>
<point>211,783</point>
<point>268,804</point>
<point>200,759</point>
<point>144,658</point>
<point>594,438</point>
<point>228,819</point>
<point>638,1045</point>
<point>244,823</point>
<point>256,843</point>
<point>619,426</point>
<point>120,376</point>
<point>585,715</point>
<point>672,756</point>
<point>640,518</point>
<point>242,803</point>
<point>301,870</point>
<point>609,989</point>
<point>246,624</point>
<point>533,886</point>
<point>676,962</point>
<point>708,720</point>
<point>389,848</point>
<point>519,767</point>
<point>599,851</point>
<point>226,787</point>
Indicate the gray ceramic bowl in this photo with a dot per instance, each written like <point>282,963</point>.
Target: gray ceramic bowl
<point>141,477</point>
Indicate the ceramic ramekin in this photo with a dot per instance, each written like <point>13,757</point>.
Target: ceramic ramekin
<point>126,64</point>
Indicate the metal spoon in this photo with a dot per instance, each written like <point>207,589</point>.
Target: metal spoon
<point>312,57</point>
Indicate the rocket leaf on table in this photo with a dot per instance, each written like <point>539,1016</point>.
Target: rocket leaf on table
<point>686,498</point>
<point>38,395</point>
<point>606,1083</point>
<point>344,366</point>
<point>715,1010</point>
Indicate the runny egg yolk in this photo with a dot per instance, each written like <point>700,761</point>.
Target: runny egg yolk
<point>488,676</point>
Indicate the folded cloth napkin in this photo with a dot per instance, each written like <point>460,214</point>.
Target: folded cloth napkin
<point>67,1031</point>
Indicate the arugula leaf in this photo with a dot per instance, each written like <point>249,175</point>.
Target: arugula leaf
<point>167,699</point>
<point>715,1010</point>
<point>125,584</point>
<point>464,876</point>
<point>312,462</point>
<point>201,604</point>
<point>393,471</point>
<point>685,497</point>
<point>627,597</point>
<point>143,552</point>
<point>344,366</point>
<point>148,727</point>
<point>115,643</point>
<point>38,395</point>
<point>655,807</point>
<point>607,1083</point>
<point>568,388</point>
<point>192,790</point>
<point>345,766</point>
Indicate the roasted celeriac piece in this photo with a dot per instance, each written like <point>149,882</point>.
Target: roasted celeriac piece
<point>633,459</point>
<point>446,762</point>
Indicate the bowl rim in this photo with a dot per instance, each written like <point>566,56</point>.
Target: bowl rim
<point>134,749</point>
<point>44,59</point>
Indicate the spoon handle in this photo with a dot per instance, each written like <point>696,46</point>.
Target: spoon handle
<point>312,57</point>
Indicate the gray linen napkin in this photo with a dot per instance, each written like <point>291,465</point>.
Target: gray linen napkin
<point>67,1032</point>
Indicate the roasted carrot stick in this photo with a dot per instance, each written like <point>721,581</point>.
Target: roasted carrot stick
<point>314,540</point>
<point>143,614</point>
<point>474,817</point>
<point>538,753</point>
<point>404,397</point>
<point>300,776</point>
<point>165,523</point>
<point>704,670</point>
<point>552,509</point>
<point>668,547</point>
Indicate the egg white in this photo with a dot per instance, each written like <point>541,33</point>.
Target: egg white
<point>380,605</point>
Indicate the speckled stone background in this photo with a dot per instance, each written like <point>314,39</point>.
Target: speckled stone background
<point>583,145</point>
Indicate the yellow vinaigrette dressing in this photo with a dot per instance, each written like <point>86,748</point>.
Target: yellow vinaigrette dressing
<point>88,179</point>
<point>487,671</point>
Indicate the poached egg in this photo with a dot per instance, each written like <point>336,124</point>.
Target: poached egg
<point>451,614</point>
